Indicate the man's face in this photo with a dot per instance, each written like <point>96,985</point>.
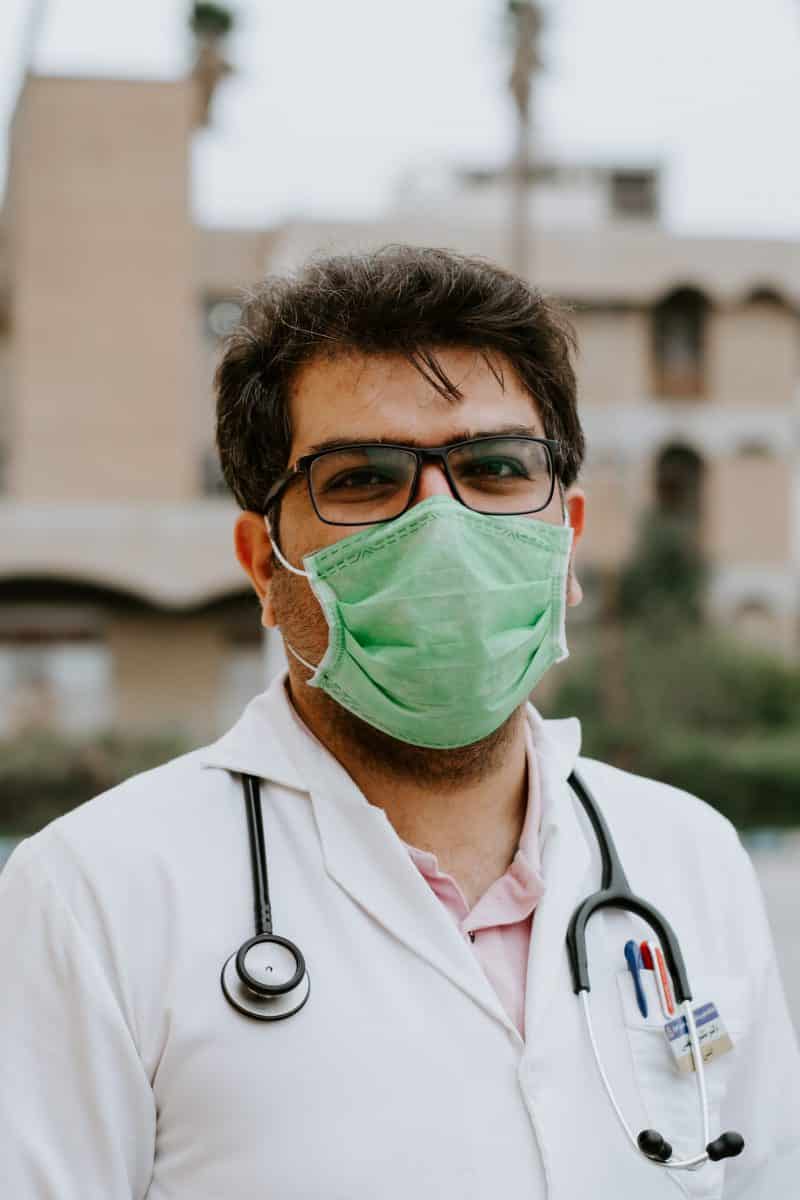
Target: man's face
<point>364,398</point>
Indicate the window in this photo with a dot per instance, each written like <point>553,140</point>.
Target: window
<point>50,683</point>
<point>679,483</point>
<point>679,343</point>
<point>213,480</point>
<point>55,669</point>
<point>634,194</point>
<point>251,662</point>
<point>754,448</point>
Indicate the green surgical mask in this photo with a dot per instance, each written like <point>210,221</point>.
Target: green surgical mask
<point>440,622</point>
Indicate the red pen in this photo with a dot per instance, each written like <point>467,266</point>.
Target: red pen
<point>653,959</point>
<point>663,982</point>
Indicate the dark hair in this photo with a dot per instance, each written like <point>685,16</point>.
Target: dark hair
<point>400,299</point>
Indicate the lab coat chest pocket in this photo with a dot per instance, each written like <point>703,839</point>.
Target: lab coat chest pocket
<point>670,1099</point>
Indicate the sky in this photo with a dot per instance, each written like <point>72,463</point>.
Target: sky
<point>330,103</point>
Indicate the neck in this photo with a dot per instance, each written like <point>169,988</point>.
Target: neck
<point>467,806</point>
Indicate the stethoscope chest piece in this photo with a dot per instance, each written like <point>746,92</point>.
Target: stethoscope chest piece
<point>266,978</point>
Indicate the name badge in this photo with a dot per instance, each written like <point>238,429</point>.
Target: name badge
<point>712,1035</point>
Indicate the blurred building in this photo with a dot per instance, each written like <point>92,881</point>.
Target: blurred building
<point>120,598</point>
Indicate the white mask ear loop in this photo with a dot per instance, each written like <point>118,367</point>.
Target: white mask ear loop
<point>295,571</point>
<point>277,552</point>
<point>564,513</point>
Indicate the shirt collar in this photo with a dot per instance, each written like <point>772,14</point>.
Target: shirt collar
<point>513,896</point>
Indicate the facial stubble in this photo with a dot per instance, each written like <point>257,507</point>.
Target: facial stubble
<point>302,624</point>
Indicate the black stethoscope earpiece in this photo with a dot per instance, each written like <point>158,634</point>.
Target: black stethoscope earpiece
<point>727,1145</point>
<point>266,978</point>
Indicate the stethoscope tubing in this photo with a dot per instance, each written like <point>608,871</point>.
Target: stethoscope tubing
<point>262,910</point>
<point>679,1164</point>
<point>616,892</point>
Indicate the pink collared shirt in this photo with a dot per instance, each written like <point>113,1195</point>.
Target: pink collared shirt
<point>499,924</point>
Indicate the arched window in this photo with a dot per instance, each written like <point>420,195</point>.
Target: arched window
<point>679,343</point>
<point>767,296</point>
<point>679,483</point>
<point>754,447</point>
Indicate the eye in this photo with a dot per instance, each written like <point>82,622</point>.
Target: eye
<point>497,468</point>
<point>366,477</point>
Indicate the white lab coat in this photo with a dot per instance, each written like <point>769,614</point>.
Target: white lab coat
<point>124,1072</point>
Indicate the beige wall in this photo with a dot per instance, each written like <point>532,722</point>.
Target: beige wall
<point>5,396</point>
<point>613,503</point>
<point>753,355</point>
<point>105,335</point>
<point>166,672</point>
<point>759,626</point>
<point>748,512</point>
<point>613,356</point>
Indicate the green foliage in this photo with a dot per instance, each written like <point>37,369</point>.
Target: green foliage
<point>43,775</point>
<point>666,696</point>
<point>666,577</point>
<point>211,20</point>
<point>699,711</point>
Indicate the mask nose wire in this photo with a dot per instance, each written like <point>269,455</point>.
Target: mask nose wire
<point>276,550</point>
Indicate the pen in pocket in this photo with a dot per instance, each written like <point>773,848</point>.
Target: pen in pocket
<point>653,959</point>
<point>633,958</point>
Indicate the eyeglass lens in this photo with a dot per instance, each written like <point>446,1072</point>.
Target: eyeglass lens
<point>362,484</point>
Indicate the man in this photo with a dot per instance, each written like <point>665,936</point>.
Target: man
<point>401,433</point>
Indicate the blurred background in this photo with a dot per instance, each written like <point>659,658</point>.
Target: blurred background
<point>637,161</point>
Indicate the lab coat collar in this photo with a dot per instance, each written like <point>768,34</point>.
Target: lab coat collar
<point>364,855</point>
<point>254,746</point>
<point>257,744</point>
<point>565,866</point>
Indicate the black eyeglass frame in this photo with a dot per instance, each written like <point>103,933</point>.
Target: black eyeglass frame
<point>423,454</point>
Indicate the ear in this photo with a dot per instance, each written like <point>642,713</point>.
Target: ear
<point>575,500</point>
<point>254,551</point>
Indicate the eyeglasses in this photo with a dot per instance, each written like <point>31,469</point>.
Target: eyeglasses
<point>370,482</point>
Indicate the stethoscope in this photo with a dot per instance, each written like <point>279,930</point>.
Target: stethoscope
<point>267,977</point>
<point>615,892</point>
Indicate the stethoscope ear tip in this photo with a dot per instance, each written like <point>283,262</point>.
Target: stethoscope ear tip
<point>651,1143</point>
<point>654,1146</point>
<point>727,1145</point>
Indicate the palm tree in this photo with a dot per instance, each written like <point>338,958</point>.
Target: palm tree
<point>526,25</point>
<point>211,20</point>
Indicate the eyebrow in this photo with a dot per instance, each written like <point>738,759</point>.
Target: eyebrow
<point>464,435</point>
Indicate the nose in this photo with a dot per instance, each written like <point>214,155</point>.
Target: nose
<point>432,482</point>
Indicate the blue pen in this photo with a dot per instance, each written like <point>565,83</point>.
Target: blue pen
<point>634,961</point>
